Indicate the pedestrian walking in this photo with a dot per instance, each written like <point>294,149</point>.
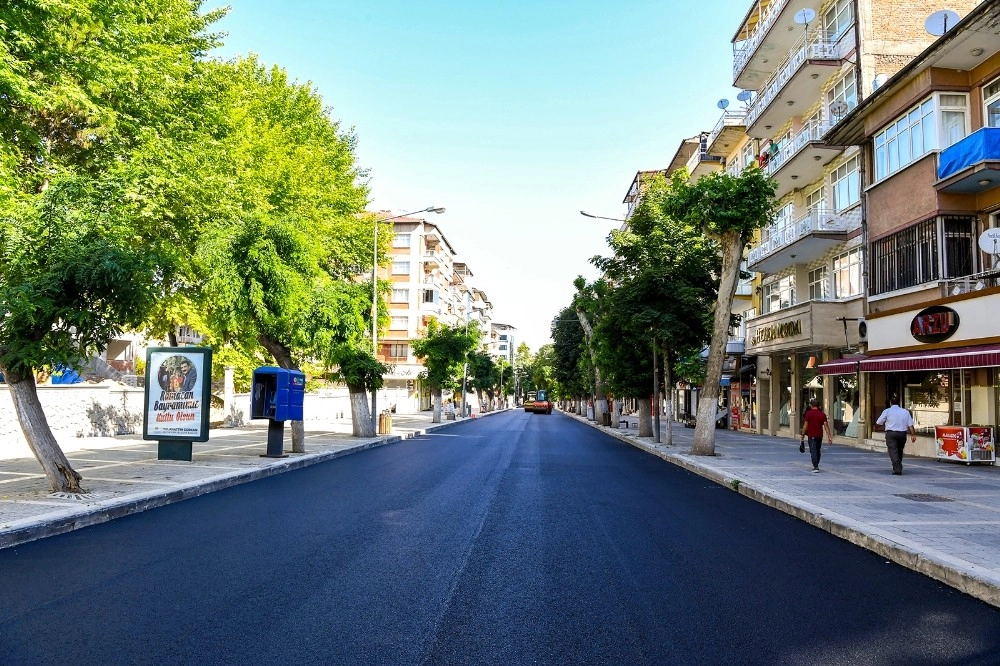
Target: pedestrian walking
<point>814,421</point>
<point>898,422</point>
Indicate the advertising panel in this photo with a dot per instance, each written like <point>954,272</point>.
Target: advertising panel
<point>178,393</point>
<point>965,444</point>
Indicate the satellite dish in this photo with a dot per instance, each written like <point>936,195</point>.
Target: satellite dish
<point>838,108</point>
<point>744,96</point>
<point>723,103</point>
<point>803,16</point>
<point>940,21</point>
<point>879,80</point>
<point>989,241</point>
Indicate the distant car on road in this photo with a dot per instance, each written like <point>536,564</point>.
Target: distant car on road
<point>542,404</point>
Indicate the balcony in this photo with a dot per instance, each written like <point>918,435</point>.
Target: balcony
<point>972,165</point>
<point>431,260</point>
<point>801,160</point>
<point>803,241</point>
<point>701,164</point>
<point>797,84</point>
<point>726,133</point>
<point>766,36</point>
<point>734,168</point>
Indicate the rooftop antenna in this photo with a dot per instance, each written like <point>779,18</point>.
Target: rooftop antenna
<point>723,104</point>
<point>938,23</point>
<point>803,16</point>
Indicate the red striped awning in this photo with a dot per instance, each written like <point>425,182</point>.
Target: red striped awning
<point>841,366</point>
<point>938,359</point>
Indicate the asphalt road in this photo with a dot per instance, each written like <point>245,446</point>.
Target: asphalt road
<point>517,539</point>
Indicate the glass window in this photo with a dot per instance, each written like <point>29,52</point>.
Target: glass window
<point>817,284</point>
<point>399,350</point>
<point>400,295</point>
<point>959,246</point>
<point>847,184</point>
<point>748,155</point>
<point>838,18</point>
<point>400,268</point>
<point>400,324</point>
<point>816,200</point>
<point>905,258</point>
<point>401,240</point>
<point>847,274</point>
<point>845,90</point>
<point>779,294</point>
<point>430,296</point>
<point>991,98</point>
<point>502,347</point>
<point>937,122</point>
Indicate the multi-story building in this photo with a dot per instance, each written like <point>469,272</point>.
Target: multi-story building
<point>427,282</point>
<point>806,66</point>
<point>930,138</point>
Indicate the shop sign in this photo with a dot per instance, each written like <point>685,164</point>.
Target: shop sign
<point>934,324</point>
<point>776,331</point>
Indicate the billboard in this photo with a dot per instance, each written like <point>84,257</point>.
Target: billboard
<point>178,393</point>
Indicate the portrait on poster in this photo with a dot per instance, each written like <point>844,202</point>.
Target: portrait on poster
<point>178,384</point>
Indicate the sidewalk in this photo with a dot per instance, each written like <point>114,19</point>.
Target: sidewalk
<point>939,518</point>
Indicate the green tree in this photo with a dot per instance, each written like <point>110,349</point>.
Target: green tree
<point>443,351</point>
<point>484,375</point>
<point>86,87</point>
<point>727,209</point>
<point>588,307</point>
<point>569,348</point>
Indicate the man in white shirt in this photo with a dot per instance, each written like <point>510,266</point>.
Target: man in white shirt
<point>898,422</point>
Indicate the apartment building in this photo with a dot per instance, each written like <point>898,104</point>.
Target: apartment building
<point>804,66</point>
<point>427,281</point>
<point>930,152</point>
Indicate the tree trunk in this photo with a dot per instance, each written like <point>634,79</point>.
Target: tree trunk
<point>283,357</point>
<point>361,416</point>
<point>656,394</point>
<point>704,432</point>
<point>581,406</point>
<point>600,395</point>
<point>61,476</point>
<point>668,388</point>
<point>615,413</point>
<point>436,405</point>
<point>645,418</point>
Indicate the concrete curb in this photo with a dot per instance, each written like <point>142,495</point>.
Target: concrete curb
<point>20,532</point>
<point>962,576</point>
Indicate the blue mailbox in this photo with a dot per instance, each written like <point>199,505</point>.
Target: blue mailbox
<point>277,394</point>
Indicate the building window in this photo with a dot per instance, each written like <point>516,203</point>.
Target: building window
<point>401,240</point>
<point>399,324</point>
<point>847,274</point>
<point>748,155</point>
<point>817,284</point>
<point>400,268</point>
<point>400,295</point>
<point>430,296</point>
<point>845,90</point>
<point>991,99</point>
<point>905,259</point>
<point>503,336</point>
<point>936,123</point>
<point>502,347</point>
<point>399,350</point>
<point>846,184</point>
<point>815,200</point>
<point>779,294</point>
<point>838,18</point>
<point>960,245</point>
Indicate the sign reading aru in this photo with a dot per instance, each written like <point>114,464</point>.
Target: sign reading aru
<point>934,324</point>
<point>774,331</point>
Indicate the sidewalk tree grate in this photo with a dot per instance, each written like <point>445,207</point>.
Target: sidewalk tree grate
<point>76,497</point>
<point>925,497</point>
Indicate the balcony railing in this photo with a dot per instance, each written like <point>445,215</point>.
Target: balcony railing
<point>734,168</point>
<point>808,134</point>
<point>767,19</point>
<point>728,119</point>
<point>778,236</point>
<point>701,157</point>
<point>815,45</point>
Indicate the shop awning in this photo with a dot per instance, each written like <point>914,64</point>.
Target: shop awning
<point>938,359</point>
<point>841,366</point>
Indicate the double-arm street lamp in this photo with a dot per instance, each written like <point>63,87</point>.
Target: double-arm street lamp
<point>429,209</point>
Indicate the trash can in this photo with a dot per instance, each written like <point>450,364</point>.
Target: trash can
<point>384,423</point>
<point>607,418</point>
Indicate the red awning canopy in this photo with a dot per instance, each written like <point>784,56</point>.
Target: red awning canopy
<point>937,359</point>
<point>841,366</point>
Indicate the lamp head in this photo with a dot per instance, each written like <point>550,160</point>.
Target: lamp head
<point>433,209</point>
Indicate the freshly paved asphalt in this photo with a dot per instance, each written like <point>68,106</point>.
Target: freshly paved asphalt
<point>514,539</point>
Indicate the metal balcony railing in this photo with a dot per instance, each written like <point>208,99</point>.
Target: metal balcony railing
<point>699,157</point>
<point>778,236</point>
<point>808,134</point>
<point>767,19</point>
<point>814,45</point>
<point>728,119</point>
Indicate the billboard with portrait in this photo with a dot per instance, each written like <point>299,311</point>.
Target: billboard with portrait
<point>178,393</point>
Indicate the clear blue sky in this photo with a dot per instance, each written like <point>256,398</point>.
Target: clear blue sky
<point>512,115</point>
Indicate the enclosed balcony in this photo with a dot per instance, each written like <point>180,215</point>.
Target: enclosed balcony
<point>972,165</point>
<point>726,133</point>
<point>796,85</point>
<point>800,161</point>
<point>804,240</point>
<point>767,34</point>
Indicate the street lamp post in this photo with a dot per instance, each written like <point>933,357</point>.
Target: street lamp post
<point>601,217</point>
<point>429,209</point>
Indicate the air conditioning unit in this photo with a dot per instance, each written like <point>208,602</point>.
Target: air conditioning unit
<point>862,330</point>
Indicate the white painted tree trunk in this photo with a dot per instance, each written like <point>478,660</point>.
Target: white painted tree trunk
<point>615,414</point>
<point>704,431</point>
<point>361,415</point>
<point>645,417</point>
<point>671,393</point>
<point>61,476</point>
<point>436,405</point>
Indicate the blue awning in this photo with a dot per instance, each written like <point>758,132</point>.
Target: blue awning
<point>983,145</point>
